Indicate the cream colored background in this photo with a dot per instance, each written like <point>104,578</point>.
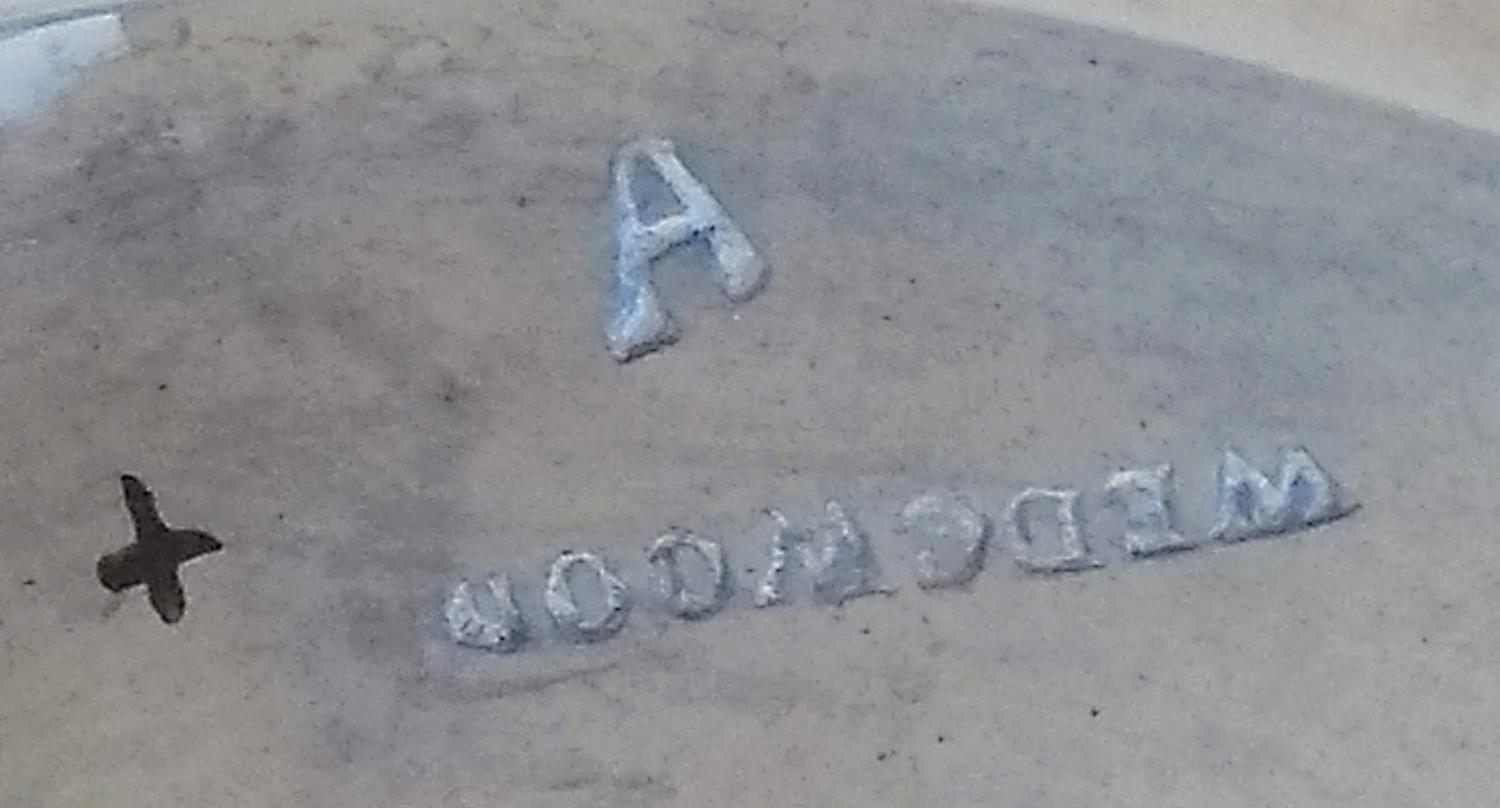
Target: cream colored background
<point>1441,57</point>
<point>1438,56</point>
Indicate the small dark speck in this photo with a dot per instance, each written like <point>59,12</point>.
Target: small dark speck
<point>885,317</point>
<point>281,517</point>
<point>29,582</point>
<point>865,630</point>
<point>912,281</point>
<point>1143,423</point>
<point>1094,62</point>
<point>161,387</point>
<point>880,756</point>
<point>522,201</point>
<point>1094,712</point>
<point>941,739</point>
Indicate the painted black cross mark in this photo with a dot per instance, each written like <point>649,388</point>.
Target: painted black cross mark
<point>155,555</point>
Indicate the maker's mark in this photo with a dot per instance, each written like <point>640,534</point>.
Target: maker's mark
<point>639,322</point>
<point>153,558</point>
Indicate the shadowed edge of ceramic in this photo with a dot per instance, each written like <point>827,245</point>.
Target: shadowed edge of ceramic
<point>41,57</point>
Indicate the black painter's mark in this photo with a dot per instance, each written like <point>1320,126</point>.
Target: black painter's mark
<point>153,558</point>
